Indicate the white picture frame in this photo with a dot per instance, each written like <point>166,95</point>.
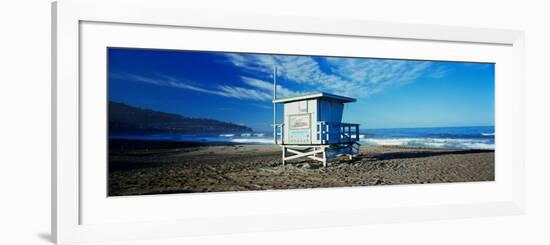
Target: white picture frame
<point>67,200</point>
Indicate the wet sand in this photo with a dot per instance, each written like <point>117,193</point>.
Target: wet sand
<point>148,167</point>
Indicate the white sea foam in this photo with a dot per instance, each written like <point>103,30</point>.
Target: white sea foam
<point>253,140</point>
<point>431,143</point>
<point>488,134</point>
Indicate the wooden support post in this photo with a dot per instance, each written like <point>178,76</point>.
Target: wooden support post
<point>284,155</point>
<point>324,156</point>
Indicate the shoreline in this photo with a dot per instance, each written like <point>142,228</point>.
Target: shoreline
<point>132,143</point>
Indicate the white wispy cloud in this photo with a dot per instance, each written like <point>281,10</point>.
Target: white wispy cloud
<point>242,93</point>
<point>438,72</point>
<point>346,76</point>
<point>268,87</point>
<point>220,90</point>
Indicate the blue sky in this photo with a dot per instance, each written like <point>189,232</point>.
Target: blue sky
<point>237,87</point>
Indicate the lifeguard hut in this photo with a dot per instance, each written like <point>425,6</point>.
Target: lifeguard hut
<point>313,127</point>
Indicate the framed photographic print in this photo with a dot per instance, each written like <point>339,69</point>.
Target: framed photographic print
<point>208,123</point>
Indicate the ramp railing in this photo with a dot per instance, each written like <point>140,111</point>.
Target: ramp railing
<point>337,133</point>
<point>279,133</point>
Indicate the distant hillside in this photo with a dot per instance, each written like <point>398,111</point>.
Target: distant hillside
<point>125,119</point>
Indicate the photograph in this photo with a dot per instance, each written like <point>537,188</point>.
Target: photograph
<point>202,121</point>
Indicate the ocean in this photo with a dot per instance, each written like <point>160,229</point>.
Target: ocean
<point>482,138</point>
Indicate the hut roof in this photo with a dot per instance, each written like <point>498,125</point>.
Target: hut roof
<point>314,96</point>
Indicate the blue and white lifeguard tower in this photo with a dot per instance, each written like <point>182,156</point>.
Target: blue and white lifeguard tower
<point>313,127</point>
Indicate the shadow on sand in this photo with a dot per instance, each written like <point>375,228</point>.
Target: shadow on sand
<point>420,154</point>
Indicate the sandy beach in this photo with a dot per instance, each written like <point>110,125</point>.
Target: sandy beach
<point>149,167</point>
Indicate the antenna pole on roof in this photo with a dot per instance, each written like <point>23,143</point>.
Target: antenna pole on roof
<point>274,104</point>
<point>274,83</point>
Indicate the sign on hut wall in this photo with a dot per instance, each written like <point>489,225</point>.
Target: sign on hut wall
<point>299,129</point>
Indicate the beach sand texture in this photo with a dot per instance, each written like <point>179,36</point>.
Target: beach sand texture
<point>146,167</point>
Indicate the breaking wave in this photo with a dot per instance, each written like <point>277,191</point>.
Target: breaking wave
<point>253,140</point>
<point>479,144</point>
